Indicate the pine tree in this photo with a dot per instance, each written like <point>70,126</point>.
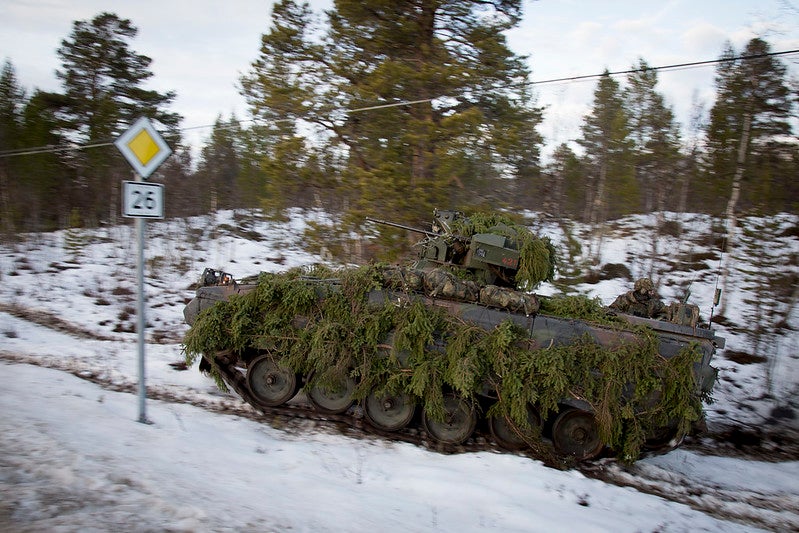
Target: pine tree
<point>472,119</point>
<point>103,80</point>
<point>103,95</point>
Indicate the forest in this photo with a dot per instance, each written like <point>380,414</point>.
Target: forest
<point>443,116</point>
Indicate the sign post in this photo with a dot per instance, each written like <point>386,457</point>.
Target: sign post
<point>145,150</point>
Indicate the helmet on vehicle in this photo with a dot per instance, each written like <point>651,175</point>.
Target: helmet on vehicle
<point>644,285</point>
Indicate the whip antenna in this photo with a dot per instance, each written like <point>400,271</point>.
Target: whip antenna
<point>717,291</point>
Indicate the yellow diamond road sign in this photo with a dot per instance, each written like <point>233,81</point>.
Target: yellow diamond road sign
<point>143,147</point>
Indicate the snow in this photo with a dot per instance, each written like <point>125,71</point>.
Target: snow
<point>73,456</point>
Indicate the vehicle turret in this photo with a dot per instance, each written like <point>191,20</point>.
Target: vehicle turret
<point>489,248</point>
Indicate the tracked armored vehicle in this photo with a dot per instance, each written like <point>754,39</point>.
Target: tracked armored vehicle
<point>456,343</point>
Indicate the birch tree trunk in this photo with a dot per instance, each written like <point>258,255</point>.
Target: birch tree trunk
<point>598,203</point>
<point>596,219</point>
<point>732,221</point>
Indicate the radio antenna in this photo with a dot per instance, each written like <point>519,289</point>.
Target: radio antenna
<point>717,291</point>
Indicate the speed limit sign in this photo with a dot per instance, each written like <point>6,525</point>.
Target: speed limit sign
<point>142,199</point>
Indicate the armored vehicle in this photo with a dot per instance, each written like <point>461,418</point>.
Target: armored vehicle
<point>457,343</point>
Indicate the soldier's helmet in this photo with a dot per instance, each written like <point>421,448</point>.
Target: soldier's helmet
<point>644,285</point>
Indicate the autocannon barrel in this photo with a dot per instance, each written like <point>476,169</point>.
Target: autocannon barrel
<point>401,226</point>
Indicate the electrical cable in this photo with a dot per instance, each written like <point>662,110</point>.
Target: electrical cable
<point>569,79</point>
<point>676,66</point>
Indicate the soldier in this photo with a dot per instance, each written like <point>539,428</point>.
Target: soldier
<point>641,301</point>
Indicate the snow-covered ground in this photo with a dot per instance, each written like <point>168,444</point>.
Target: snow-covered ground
<point>73,456</point>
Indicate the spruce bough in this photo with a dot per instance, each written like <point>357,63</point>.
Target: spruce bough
<point>328,330</point>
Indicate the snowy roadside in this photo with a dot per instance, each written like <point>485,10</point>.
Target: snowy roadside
<point>57,426</point>
<point>74,458</point>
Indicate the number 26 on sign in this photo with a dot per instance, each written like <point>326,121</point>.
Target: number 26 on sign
<point>142,199</point>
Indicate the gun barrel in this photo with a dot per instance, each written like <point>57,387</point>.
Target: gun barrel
<point>401,226</point>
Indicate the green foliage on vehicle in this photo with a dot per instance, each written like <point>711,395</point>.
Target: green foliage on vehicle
<point>329,330</point>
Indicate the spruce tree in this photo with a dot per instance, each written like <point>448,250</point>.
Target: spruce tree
<point>12,100</point>
<point>655,136</point>
<point>612,190</point>
<point>45,176</point>
<point>563,190</point>
<point>33,189</point>
<point>656,143</point>
<point>220,166</point>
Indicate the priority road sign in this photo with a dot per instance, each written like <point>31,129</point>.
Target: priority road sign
<point>143,147</point>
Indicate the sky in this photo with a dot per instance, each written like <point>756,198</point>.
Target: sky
<point>200,48</point>
<point>75,457</point>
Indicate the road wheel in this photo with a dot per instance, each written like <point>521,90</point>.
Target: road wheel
<point>575,433</point>
<point>460,419</point>
<point>388,412</point>
<point>333,398</point>
<point>270,384</point>
<point>508,435</point>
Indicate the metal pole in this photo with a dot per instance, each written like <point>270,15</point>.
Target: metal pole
<point>140,225</point>
<point>144,158</point>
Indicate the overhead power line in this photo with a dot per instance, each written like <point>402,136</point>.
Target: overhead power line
<point>48,149</point>
<point>569,79</point>
<point>675,66</point>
